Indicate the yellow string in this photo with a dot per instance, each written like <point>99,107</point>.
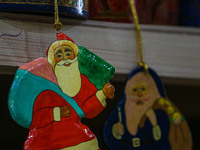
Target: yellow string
<point>138,34</point>
<point>57,25</point>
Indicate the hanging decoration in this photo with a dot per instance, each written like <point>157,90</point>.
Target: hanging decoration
<point>51,95</point>
<point>145,118</point>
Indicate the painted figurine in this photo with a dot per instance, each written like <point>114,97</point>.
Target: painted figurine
<point>50,96</point>
<point>145,119</point>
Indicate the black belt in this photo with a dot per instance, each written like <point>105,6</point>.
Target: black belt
<point>136,142</point>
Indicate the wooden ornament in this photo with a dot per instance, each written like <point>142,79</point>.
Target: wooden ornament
<point>145,118</point>
<point>51,95</point>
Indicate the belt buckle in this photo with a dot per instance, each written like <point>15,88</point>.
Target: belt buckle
<point>136,142</point>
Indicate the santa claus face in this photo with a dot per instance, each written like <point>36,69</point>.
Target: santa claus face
<point>67,70</point>
<point>141,90</point>
<point>63,53</point>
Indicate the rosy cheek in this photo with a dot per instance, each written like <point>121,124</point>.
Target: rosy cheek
<point>146,99</point>
<point>134,94</point>
<point>131,97</point>
<point>71,57</point>
<point>58,59</point>
<point>145,94</point>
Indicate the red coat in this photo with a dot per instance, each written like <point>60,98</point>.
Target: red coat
<point>46,134</point>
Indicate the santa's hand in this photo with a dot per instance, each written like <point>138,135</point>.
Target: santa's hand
<point>118,130</point>
<point>157,132</point>
<point>65,111</point>
<point>108,90</point>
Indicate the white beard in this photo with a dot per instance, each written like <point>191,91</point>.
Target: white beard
<point>69,78</point>
<point>134,114</point>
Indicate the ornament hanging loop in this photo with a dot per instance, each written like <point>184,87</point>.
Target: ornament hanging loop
<point>57,25</point>
<point>144,66</point>
<point>138,35</point>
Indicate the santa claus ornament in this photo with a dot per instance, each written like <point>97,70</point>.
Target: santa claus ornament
<point>51,95</point>
<point>145,118</point>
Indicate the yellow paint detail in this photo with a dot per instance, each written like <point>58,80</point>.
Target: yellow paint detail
<point>136,142</point>
<point>101,97</point>
<point>115,132</point>
<point>167,103</point>
<point>89,145</point>
<point>161,101</point>
<point>175,115</point>
<point>170,109</point>
<point>157,132</point>
<point>69,2</point>
<point>119,114</point>
<point>56,113</point>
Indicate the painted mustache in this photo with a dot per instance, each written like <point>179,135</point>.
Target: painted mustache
<point>67,62</point>
<point>139,102</point>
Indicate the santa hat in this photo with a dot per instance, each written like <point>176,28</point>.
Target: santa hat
<point>62,40</point>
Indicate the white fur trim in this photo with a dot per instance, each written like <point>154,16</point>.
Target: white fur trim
<point>56,113</point>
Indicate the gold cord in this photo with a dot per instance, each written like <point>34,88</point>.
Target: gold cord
<point>138,35</point>
<point>57,25</point>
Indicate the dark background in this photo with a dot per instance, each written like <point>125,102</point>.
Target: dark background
<point>187,98</point>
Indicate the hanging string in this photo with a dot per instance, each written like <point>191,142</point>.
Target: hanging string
<point>57,24</point>
<point>138,35</point>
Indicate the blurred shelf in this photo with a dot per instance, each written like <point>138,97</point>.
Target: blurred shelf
<point>174,52</point>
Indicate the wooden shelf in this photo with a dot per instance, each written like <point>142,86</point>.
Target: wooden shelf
<point>174,52</point>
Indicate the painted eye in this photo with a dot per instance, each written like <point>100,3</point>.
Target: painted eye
<point>59,56</point>
<point>143,88</point>
<point>135,89</point>
<point>68,54</point>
